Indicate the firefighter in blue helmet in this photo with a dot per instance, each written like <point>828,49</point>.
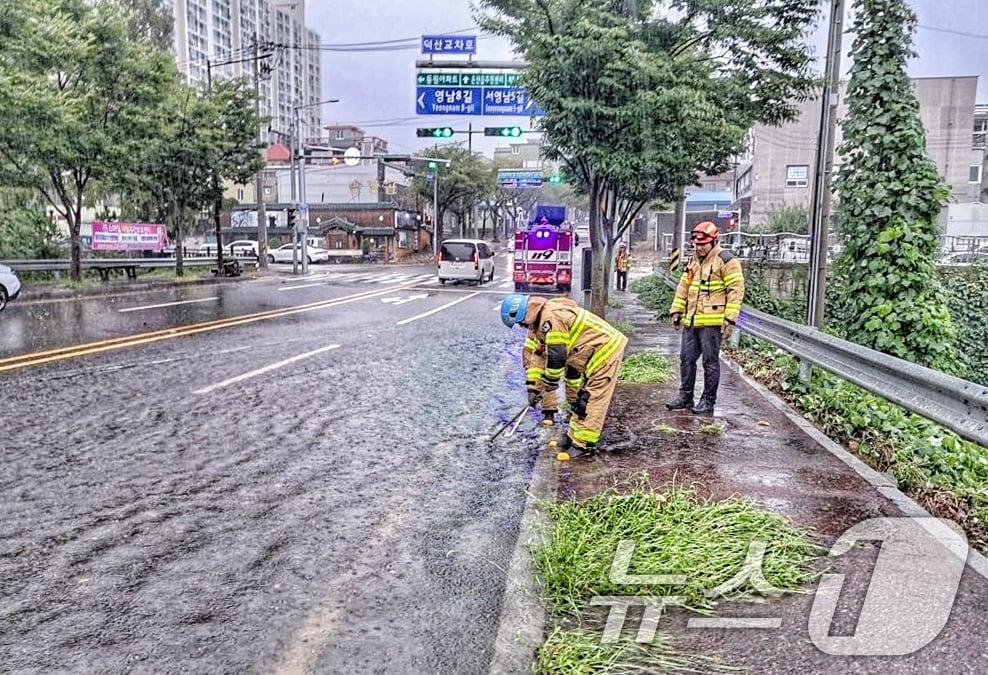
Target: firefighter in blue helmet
<point>581,346</point>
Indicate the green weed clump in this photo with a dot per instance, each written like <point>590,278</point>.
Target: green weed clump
<point>645,368</point>
<point>674,533</point>
<point>578,651</point>
<point>626,327</point>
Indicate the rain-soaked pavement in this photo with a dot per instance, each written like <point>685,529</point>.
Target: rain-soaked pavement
<point>172,506</point>
<point>764,456</point>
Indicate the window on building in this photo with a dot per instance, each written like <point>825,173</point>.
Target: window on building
<point>797,175</point>
<point>339,134</point>
<point>514,149</point>
<point>240,194</point>
<point>974,176</point>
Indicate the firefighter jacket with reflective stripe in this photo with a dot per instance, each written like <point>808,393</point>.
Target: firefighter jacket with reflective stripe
<point>575,340</point>
<point>533,356</point>
<point>623,262</point>
<point>711,290</point>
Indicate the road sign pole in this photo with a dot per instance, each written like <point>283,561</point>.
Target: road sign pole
<point>435,213</point>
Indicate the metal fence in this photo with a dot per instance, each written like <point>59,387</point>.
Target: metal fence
<point>791,247</point>
<point>957,404</point>
<point>63,265</point>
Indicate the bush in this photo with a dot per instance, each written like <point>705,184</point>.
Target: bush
<point>27,232</point>
<point>967,298</point>
<point>654,294</point>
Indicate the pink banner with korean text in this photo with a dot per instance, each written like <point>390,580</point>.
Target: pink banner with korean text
<point>128,236</point>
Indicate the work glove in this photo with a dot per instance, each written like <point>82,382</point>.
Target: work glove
<point>677,320</point>
<point>579,406</point>
<point>534,397</point>
<point>727,328</point>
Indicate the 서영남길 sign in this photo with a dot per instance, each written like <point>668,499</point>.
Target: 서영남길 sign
<point>128,236</point>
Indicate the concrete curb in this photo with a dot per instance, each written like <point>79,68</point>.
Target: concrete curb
<point>521,627</point>
<point>884,484</point>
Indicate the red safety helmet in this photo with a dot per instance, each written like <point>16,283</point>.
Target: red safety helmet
<point>704,233</point>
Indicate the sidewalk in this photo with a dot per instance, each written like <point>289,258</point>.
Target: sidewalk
<point>764,455</point>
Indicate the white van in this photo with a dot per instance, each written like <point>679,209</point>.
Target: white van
<point>465,259</point>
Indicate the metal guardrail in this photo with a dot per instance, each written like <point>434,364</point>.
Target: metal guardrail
<point>957,404</point>
<point>60,264</point>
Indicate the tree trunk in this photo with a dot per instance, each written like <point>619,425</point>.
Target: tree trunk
<point>598,266</point>
<point>179,258</point>
<point>74,212</point>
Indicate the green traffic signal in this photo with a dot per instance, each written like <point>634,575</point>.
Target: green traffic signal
<point>513,132</point>
<point>434,132</point>
<point>433,166</point>
<point>442,132</point>
<point>555,179</point>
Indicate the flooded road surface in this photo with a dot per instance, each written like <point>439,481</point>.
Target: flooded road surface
<point>307,492</point>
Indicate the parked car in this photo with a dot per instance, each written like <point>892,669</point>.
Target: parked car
<point>10,286</point>
<point>283,254</point>
<point>242,247</point>
<point>466,260</point>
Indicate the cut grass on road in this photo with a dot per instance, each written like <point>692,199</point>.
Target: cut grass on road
<point>674,532</point>
<point>645,368</point>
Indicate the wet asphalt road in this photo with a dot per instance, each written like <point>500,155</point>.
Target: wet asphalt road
<point>169,509</point>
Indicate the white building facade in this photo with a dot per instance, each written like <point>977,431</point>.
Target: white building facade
<point>209,33</point>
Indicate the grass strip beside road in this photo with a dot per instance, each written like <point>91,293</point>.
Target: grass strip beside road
<point>674,532</point>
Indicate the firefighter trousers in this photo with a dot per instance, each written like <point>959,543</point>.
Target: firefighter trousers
<point>598,390</point>
<point>700,341</point>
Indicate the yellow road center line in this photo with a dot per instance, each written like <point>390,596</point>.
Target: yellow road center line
<point>40,358</point>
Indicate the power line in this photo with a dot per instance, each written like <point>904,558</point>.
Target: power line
<point>938,29</point>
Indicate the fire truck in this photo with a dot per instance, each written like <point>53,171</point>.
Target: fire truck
<point>544,252</point>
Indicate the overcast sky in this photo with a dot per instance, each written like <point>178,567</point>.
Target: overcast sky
<point>377,88</point>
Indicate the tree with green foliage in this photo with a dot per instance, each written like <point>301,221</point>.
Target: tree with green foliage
<point>793,218</point>
<point>79,100</point>
<point>890,198</point>
<point>208,133</point>
<point>462,183</point>
<point>640,98</point>
<point>151,20</point>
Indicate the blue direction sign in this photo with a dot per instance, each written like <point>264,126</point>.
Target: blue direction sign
<point>449,44</point>
<point>508,101</point>
<point>518,180</point>
<point>448,100</point>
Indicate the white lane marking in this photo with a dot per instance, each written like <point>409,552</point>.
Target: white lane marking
<point>167,304</point>
<point>506,284</point>
<point>437,309</point>
<point>265,369</point>
<point>292,288</point>
<point>401,301</point>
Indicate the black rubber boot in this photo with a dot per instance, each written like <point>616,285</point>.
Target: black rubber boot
<point>682,402</point>
<point>706,407</point>
<point>548,417</point>
<point>580,451</point>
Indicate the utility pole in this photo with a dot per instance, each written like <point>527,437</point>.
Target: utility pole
<point>820,212</point>
<point>218,196</point>
<point>262,226</point>
<point>303,214</point>
<point>436,226</point>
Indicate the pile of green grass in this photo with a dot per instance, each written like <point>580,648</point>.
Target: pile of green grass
<point>645,368</point>
<point>674,533</point>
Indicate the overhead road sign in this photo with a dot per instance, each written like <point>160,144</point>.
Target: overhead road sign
<point>449,44</point>
<point>511,179</point>
<point>459,100</point>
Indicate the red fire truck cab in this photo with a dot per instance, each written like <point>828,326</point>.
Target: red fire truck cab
<point>544,252</point>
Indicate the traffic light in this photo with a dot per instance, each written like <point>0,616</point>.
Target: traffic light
<point>433,166</point>
<point>555,179</point>
<point>434,132</point>
<point>291,218</point>
<point>509,132</point>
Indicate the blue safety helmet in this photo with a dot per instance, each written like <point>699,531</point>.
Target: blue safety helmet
<point>513,309</point>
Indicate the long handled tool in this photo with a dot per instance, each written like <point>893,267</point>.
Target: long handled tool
<point>516,420</point>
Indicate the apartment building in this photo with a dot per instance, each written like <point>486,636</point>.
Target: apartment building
<point>209,34</point>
